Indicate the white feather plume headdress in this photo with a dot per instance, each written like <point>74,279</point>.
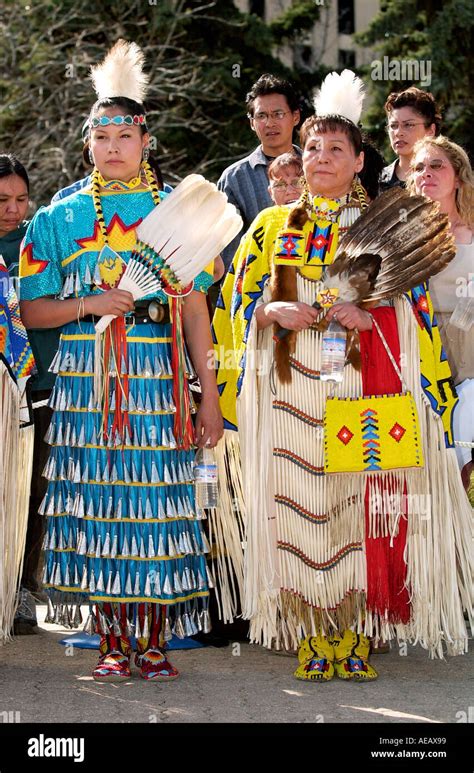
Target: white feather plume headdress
<point>121,73</point>
<point>340,95</point>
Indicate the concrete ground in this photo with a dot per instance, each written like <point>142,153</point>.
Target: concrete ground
<point>45,682</point>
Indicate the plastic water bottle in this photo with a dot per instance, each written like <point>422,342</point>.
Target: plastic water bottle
<point>205,476</point>
<point>333,352</point>
<point>463,314</point>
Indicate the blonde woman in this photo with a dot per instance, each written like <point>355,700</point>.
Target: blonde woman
<point>441,171</point>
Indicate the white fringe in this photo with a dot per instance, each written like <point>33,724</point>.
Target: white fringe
<point>16,460</point>
<point>439,538</point>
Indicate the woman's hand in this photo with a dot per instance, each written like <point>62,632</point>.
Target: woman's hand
<point>350,316</point>
<point>115,301</point>
<point>209,423</point>
<point>292,315</point>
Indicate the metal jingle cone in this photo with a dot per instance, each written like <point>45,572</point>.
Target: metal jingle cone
<point>168,635</point>
<point>138,633</point>
<point>66,619</point>
<point>89,627</point>
<point>179,628</point>
<point>116,626</point>
<point>146,626</point>
<point>129,628</point>
<point>206,621</point>
<point>104,625</point>
<point>50,613</point>
<point>57,615</point>
<point>77,619</point>
<point>198,622</point>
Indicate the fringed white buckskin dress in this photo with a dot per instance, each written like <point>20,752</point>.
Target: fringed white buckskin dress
<point>304,564</point>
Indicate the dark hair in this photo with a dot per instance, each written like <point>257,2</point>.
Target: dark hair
<point>272,84</point>
<point>129,106</point>
<point>285,160</point>
<point>373,164</point>
<point>332,123</point>
<point>9,164</point>
<point>422,101</point>
<point>373,160</point>
<point>155,168</point>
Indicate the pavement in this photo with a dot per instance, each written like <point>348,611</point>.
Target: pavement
<point>42,681</point>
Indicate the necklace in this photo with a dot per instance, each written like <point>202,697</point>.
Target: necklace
<point>119,185</point>
<point>98,182</point>
<point>322,208</point>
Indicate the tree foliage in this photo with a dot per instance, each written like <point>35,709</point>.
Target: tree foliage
<point>202,57</point>
<point>435,31</point>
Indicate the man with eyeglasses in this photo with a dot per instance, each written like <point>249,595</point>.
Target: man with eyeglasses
<point>411,115</point>
<point>273,111</point>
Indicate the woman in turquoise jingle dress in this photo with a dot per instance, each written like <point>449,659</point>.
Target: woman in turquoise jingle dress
<point>123,532</point>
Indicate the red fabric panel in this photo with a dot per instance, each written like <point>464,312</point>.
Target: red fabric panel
<point>386,568</point>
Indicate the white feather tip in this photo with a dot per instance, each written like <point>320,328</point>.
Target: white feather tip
<point>121,73</point>
<point>340,95</point>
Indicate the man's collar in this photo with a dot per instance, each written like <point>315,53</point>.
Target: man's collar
<point>258,157</point>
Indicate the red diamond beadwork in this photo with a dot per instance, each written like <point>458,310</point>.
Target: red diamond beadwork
<point>397,432</point>
<point>320,242</point>
<point>345,435</point>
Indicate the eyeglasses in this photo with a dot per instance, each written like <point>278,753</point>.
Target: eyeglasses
<point>281,185</point>
<point>275,115</point>
<point>434,166</point>
<point>407,126</point>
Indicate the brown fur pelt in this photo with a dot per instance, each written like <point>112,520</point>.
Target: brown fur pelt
<point>284,288</point>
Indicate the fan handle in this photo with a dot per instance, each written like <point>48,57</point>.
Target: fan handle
<point>126,283</point>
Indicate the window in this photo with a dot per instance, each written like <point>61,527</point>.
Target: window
<point>257,7</point>
<point>345,17</point>
<point>346,59</point>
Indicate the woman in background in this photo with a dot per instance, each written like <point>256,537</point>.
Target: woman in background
<point>441,170</point>
<point>411,115</point>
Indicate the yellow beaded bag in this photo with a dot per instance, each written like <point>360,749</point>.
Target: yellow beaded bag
<point>374,433</point>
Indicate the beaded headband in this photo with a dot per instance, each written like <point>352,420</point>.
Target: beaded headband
<point>129,120</point>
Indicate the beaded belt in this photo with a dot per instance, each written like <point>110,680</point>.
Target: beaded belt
<point>144,311</point>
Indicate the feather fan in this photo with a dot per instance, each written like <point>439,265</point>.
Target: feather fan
<point>121,73</point>
<point>399,242</point>
<point>178,239</point>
